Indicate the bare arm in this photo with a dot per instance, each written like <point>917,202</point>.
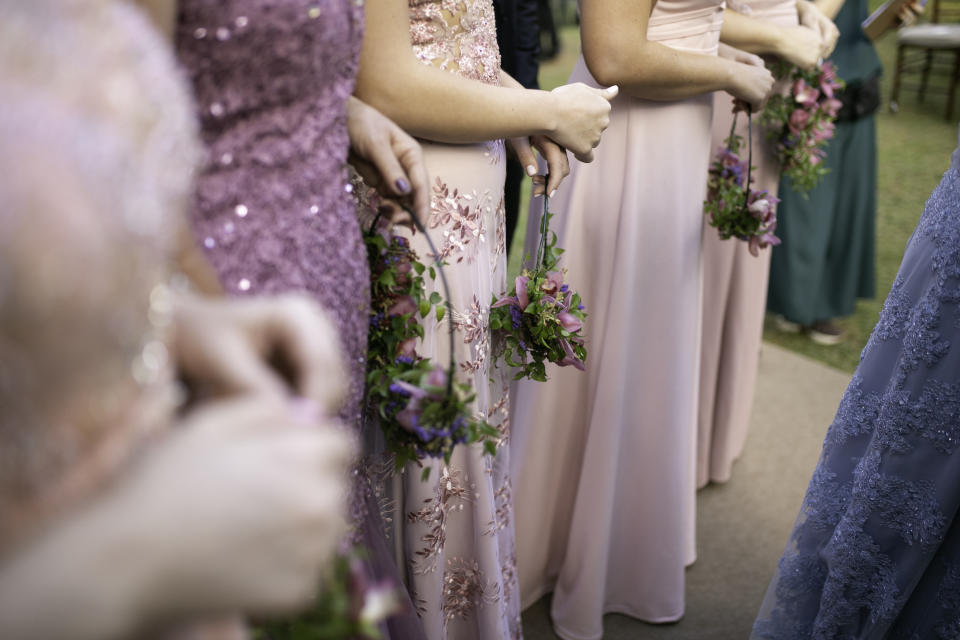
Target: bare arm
<point>829,8</point>
<point>798,45</point>
<point>617,51</point>
<point>437,105</point>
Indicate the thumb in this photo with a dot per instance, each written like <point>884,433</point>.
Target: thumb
<point>521,146</point>
<point>610,92</point>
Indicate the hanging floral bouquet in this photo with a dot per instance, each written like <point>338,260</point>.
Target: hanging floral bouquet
<point>732,205</point>
<point>422,411</point>
<point>541,319</point>
<point>800,123</point>
<point>350,607</point>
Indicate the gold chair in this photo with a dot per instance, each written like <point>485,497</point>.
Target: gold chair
<point>922,47</point>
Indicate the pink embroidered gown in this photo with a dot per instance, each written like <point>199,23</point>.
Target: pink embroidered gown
<point>457,528</point>
<point>734,297</point>
<point>603,460</point>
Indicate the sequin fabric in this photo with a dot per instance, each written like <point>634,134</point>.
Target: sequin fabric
<point>273,210</point>
<point>96,157</point>
<point>876,548</point>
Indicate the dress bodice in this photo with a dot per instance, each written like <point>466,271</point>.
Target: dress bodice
<point>458,36</point>
<point>96,158</point>
<point>781,12</point>
<point>689,25</point>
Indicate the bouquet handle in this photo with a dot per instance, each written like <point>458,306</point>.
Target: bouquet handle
<point>544,226</point>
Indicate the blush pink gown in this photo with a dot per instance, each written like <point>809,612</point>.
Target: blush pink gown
<point>734,297</point>
<point>604,460</point>
<point>456,529</point>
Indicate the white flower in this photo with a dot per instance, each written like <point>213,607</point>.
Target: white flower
<point>379,603</point>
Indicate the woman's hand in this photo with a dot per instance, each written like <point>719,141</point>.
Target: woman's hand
<point>558,166</point>
<point>277,346</point>
<point>800,46</point>
<point>751,83</point>
<point>388,158</point>
<point>238,509</point>
<point>812,18</point>
<point>582,113</point>
<point>739,55</point>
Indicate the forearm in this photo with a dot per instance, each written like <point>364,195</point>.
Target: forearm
<point>163,14</point>
<point>750,34</point>
<point>437,105</point>
<point>434,104</point>
<point>654,71</point>
<point>829,8</point>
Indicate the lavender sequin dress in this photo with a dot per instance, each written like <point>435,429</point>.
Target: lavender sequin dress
<point>273,210</point>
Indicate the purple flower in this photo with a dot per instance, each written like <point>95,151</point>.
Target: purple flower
<point>569,321</point>
<point>516,317</point>
<point>570,358</point>
<point>523,297</point>
<point>403,306</point>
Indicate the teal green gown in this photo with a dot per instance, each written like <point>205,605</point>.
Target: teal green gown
<point>826,261</point>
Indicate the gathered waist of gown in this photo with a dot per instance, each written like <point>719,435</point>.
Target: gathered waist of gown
<point>697,31</point>
<point>781,12</point>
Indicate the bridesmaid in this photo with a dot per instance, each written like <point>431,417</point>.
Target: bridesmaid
<point>273,209</point>
<point>875,551</point>
<point>735,282</point>
<point>604,460</point>
<point>457,538</point>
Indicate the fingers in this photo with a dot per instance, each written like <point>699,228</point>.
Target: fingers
<point>394,177</point>
<point>521,146</point>
<point>558,165</point>
<point>309,342</point>
<point>584,157</point>
<point>410,154</point>
<point>610,92</point>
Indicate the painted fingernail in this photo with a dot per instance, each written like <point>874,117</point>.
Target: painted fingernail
<point>402,185</point>
<point>553,193</point>
<point>531,170</point>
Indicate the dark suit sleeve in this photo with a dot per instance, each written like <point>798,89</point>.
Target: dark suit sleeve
<point>527,38</point>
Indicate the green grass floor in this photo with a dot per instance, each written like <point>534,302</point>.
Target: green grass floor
<point>914,151</point>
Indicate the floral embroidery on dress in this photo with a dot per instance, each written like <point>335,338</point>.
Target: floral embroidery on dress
<point>457,36</point>
<point>503,501</point>
<point>450,494</point>
<point>465,589</point>
<point>475,326</point>
<point>461,216</point>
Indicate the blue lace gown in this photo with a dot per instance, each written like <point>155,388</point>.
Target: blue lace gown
<point>875,552</point>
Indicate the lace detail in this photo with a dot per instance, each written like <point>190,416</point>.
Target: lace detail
<point>457,36</point>
<point>887,485</point>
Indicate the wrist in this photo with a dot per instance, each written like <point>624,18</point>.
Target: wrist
<point>547,108</point>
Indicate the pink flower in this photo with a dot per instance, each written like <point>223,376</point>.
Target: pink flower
<point>403,272</point>
<point>522,297</point>
<point>760,207</point>
<point>798,120</point>
<point>437,377</point>
<point>407,348</point>
<point>551,286</point>
<point>831,107</point>
<point>403,306</point>
<point>805,94</point>
<point>815,159</point>
<point>569,321</point>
